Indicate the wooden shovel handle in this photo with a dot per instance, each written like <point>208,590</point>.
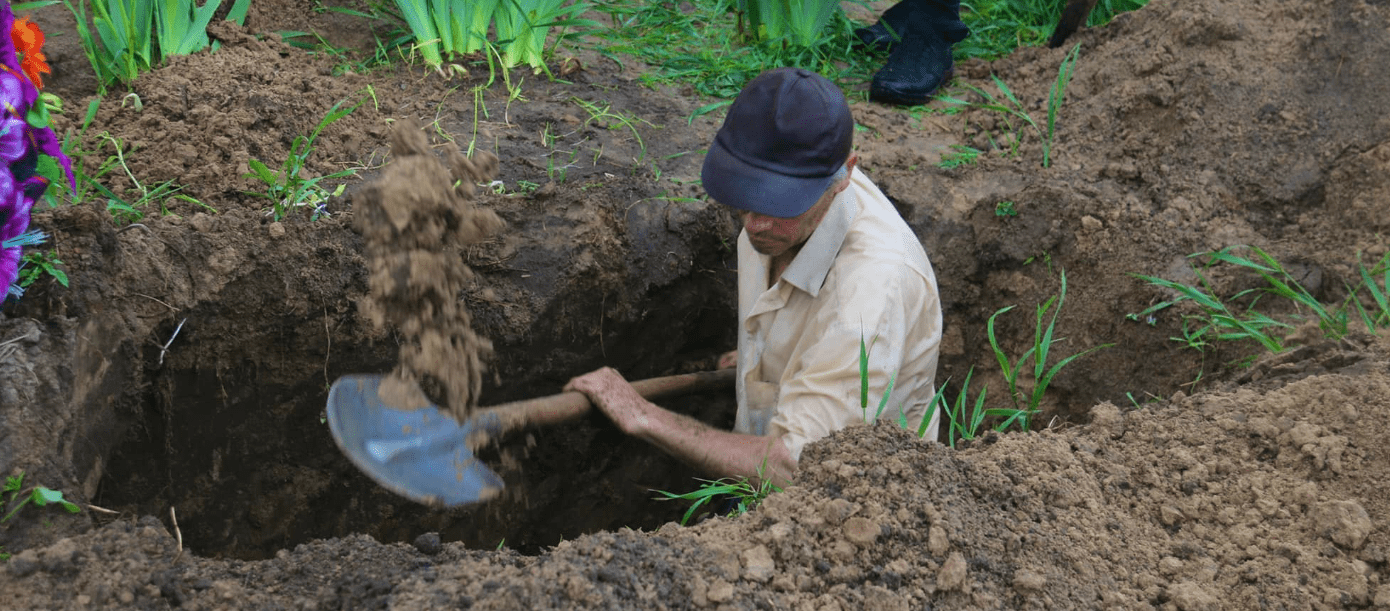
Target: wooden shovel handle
<point>559,408</point>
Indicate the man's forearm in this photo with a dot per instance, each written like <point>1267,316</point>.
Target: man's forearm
<point>716,452</point>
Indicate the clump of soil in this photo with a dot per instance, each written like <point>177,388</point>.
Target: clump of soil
<point>415,218</point>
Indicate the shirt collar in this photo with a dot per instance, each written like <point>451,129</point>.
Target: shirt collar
<point>808,270</point>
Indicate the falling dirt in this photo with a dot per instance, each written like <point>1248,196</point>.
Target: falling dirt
<point>415,219</point>
<point>185,367</point>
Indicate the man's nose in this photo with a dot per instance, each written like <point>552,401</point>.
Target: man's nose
<point>756,223</point>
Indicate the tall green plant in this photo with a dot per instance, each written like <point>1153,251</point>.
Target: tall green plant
<point>133,36</point>
<point>445,29</point>
<point>522,27</point>
<point>799,22</point>
<point>1026,405</point>
<point>966,418</point>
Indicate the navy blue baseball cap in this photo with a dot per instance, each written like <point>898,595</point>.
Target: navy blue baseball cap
<point>782,141</point>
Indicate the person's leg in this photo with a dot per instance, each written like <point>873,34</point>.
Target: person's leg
<point>921,56</point>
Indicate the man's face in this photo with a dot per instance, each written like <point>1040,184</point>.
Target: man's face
<point>775,236</point>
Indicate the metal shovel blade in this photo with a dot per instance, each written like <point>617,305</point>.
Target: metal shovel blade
<point>421,454</point>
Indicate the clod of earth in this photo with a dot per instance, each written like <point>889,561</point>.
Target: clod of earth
<point>415,219</point>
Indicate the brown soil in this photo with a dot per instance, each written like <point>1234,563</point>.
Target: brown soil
<point>415,219</point>
<point>180,380</point>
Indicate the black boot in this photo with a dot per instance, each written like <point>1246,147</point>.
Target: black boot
<point>889,29</point>
<point>921,62</point>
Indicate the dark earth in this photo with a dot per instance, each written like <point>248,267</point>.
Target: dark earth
<point>1157,477</point>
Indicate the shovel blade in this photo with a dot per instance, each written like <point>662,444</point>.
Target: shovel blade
<point>421,454</point>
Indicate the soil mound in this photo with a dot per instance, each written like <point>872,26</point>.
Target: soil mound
<point>1242,498</point>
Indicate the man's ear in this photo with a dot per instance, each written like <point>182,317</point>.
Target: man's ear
<point>852,161</point>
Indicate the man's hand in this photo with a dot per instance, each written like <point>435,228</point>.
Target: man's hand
<point>728,360</point>
<point>712,451</point>
<point>616,398</point>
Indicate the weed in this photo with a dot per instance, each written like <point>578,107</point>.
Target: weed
<point>601,114</point>
<point>1148,399</point>
<point>38,264</point>
<point>1026,406</point>
<point>1006,209</point>
<point>121,209</point>
<point>965,419</point>
<point>1377,316</point>
<point>13,497</point>
<point>748,494</point>
<point>1009,106</point>
<point>1216,320</point>
<point>963,155</point>
<point>287,188</point>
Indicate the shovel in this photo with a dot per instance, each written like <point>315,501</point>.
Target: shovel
<point>403,442</point>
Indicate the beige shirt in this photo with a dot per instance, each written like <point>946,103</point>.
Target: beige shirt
<point>861,274</point>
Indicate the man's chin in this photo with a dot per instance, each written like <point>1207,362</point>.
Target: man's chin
<point>770,249</point>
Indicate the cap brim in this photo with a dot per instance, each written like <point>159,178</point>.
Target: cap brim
<point>734,183</point>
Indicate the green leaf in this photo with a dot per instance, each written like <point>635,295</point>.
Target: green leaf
<point>863,374</point>
<point>262,172</point>
<point>44,496</point>
<point>706,109</point>
<point>58,275</point>
<point>883,402</point>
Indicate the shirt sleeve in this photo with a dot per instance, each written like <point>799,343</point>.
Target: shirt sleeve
<point>820,392</point>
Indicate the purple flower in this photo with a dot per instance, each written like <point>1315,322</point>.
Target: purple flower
<point>21,143</point>
<point>14,221</point>
<point>13,144</point>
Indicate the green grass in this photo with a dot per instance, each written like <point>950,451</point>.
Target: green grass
<point>962,155</point>
<point>601,115</point>
<point>965,418</point>
<point>1028,404</point>
<point>699,43</point>
<point>125,210</point>
<point>998,27</point>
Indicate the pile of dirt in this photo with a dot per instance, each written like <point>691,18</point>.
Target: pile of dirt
<point>415,219</point>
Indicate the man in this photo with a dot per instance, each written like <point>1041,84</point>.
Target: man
<point>918,35</point>
<point>825,262</point>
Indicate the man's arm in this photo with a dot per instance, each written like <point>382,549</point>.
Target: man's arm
<point>718,453</point>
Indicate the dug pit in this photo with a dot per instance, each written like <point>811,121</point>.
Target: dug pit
<point>217,410</point>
